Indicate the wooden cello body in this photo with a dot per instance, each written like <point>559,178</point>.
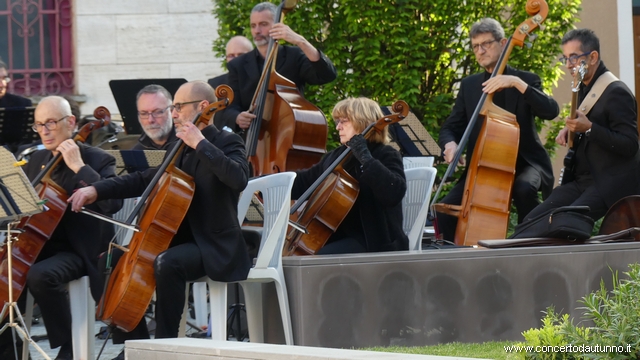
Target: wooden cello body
<point>292,132</point>
<point>289,132</point>
<point>38,228</point>
<point>484,210</point>
<point>166,201</point>
<point>330,198</point>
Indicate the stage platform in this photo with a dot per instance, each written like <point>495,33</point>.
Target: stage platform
<point>199,349</point>
<point>437,296</point>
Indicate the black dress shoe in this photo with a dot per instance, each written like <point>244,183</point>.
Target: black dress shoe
<point>65,352</point>
<point>120,356</point>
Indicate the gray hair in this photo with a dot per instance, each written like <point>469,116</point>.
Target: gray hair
<point>487,25</point>
<point>587,38</point>
<point>266,6</point>
<point>155,89</point>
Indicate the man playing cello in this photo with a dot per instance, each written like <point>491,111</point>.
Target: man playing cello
<point>72,250</point>
<point>209,240</point>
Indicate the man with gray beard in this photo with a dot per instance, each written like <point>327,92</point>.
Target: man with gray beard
<point>153,103</point>
<point>302,64</point>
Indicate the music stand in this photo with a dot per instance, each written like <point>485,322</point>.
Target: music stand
<point>411,138</point>
<point>17,200</point>
<point>15,127</point>
<point>125,91</point>
<point>128,161</point>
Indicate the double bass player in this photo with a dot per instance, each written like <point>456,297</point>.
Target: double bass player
<point>303,64</point>
<point>209,240</point>
<point>516,91</point>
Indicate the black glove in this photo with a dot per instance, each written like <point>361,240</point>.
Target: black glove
<point>359,148</point>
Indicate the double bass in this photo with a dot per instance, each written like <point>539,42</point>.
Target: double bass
<point>289,132</point>
<point>330,197</point>
<point>484,211</point>
<point>38,228</point>
<point>160,211</point>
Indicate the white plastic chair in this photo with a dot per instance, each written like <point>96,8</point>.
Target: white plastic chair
<point>415,204</point>
<point>83,309</point>
<point>276,196</point>
<point>123,235</point>
<point>410,162</point>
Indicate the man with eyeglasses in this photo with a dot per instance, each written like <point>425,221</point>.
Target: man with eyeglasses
<point>607,160</point>
<point>516,91</point>
<point>302,64</point>
<point>9,100</point>
<point>153,103</point>
<point>209,241</point>
<point>72,251</point>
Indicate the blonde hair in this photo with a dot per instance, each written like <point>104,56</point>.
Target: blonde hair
<point>361,112</point>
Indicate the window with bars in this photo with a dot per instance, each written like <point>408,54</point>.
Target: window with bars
<point>36,44</point>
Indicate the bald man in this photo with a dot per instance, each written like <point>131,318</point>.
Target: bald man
<point>73,249</point>
<point>210,241</point>
<point>236,46</point>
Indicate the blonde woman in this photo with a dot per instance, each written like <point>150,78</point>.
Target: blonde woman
<point>374,223</point>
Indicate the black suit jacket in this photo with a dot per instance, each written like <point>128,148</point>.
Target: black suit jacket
<point>87,236</point>
<point>219,80</point>
<point>220,171</point>
<point>377,211</point>
<point>611,147</point>
<point>10,100</point>
<point>292,63</point>
<point>525,106</point>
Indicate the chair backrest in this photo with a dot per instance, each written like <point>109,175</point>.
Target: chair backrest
<point>123,236</point>
<point>415,204</point>
<point>411,162</point>
<point>275,192</point>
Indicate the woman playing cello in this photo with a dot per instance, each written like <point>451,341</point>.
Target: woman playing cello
<point>374,222</point>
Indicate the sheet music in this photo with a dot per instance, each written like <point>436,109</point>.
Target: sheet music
<point>17,197</point>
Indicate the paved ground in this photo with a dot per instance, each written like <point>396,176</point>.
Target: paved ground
<point>38,334</point>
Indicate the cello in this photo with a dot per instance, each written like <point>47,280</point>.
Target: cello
<point>165,201</point>
<point>330,197</point>
<point>289,132</point>
<point>484,211</point>
<point>38,228</point>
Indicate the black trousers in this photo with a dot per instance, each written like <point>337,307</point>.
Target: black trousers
<point>525,189</point>
<point>172,268</point>
<point>47,281</point>
<point>574,193</point>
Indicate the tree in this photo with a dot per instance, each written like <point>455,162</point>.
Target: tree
<point>414,50</point>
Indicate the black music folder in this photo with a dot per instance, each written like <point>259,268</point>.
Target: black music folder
<point>125,91</point>
<point>15,127</point>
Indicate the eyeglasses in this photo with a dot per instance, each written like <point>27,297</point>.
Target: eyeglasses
<point>178,106</point>
<point>573,59</point>
<point>154,113</point>
<point>485,45</point>
<point>341,121</point>
<point>6,79</point>
<point>49,124</point>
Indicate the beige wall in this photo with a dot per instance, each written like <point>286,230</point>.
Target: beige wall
<point>136,39</point>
